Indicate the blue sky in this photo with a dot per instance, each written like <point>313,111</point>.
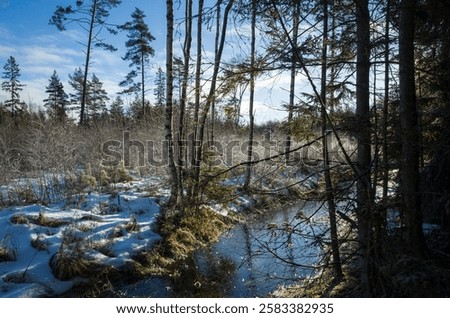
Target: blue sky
<point>39,48</point>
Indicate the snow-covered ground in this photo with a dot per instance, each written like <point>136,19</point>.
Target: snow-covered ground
<point>108,228</point>
<point>105,227</point>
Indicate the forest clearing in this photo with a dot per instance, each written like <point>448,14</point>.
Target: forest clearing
<point>225,148</point>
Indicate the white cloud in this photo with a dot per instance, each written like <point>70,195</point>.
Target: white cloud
<point>34,91</point>
<point>74,35</point>
<point>105,60</point>
<point>35,55</point>
<point>263,111</point>
<point>6,52</point>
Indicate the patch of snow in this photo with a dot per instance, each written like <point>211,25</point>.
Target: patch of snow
<point>94,219</point>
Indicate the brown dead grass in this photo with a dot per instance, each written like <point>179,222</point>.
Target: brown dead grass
<point>132,225</point>
<point>39,243</point>
<point>8,249</point>
<point>197,228</point>
<point>43,220</point>
<point>20,218</point>
<point>7,254</point>
<point>66,265</point>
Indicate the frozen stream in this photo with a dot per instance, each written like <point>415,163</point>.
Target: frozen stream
<point>250,260</point>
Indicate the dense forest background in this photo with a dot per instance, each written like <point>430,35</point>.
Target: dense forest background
<point>372,121</point>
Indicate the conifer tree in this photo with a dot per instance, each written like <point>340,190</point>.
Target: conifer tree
<point>57,100</point>
<point>116,111</point>
<point>91,16</point>
<point>160,87</point>
<point>12,86</point>
<point>138,54</point>
<point>76,81</point>
<point>96,99</point>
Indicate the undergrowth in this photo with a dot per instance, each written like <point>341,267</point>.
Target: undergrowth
<point>182,235</point>
<point>400,275</point>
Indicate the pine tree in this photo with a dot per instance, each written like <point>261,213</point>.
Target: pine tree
<point>160,88</point>
<point>138,54</point>
<point>96,99</point>
<point>116,111</point>
<point>135,111</point>
<point>91,16</point>
<point>57,100</point>
<point>76,81</point>
<point>12,85</point>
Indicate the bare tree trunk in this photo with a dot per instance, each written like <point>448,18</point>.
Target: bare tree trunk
<point>409,172</point>
<point>143,84</point>
<point>195,144</point>
<point>248,173</point>
<point>376,140</point>
<point>87,62</point>
<point>364,143</point>
<point>295,22</point>
<point>326,162</point>
<point>169,106</point>
<point>331,101</point>
<point>216,48</point>
<point>386,104</point>
<point>183,101</point>
<point>212,91</point>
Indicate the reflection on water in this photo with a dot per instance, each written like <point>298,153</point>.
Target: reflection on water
<point>205,276</point>
<point>250,260</point>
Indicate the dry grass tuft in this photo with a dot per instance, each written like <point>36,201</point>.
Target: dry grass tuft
<point>7,254</point>
<point>119,174</point>
<point>91,217</point>
<point>20,219</point>
<point>132,225</point>
<point>17,278</point>
<point>43,220</point>
<point>39,243</point>
<point>196,228</point>
<point>84,227</point>
<point>181,242</point>
<point>8,250</point>
<point>205,224</point>
<point>105,247</point>
<point>153,263</point>
<point>66,265</point>
<point>27,196</point>
<point>116,232</point>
